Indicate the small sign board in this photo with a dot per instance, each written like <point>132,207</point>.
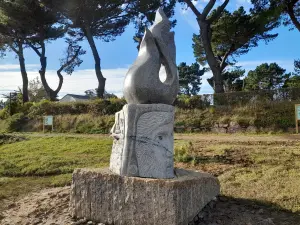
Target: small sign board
<point>298,112</point>
<point>297,117</point>
<point>47,121</point>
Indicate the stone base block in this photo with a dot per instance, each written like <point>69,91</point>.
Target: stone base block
<point>102,196</point>
<point>144,141</point>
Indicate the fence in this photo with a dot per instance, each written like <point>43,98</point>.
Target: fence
<point>250,97</point>
<point>239,98</point>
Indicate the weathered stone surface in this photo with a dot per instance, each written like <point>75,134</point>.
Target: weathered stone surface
<point>142,83</point>
<point>144,141</point>
<point>102,196</point>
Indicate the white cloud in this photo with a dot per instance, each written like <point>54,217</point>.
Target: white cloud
<point>79,82</point>
<point>195,2</point>
<point>205,87</point>
<point>17,66</point>
<point>250,65</point>
<point>83,80</point>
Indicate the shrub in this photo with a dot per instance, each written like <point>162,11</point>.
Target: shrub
<point>184,153</point>
<point>4,114</point>
<point>96,107</point>
<point>192,102</point>
<point>16,122</point>
<point>25,107</point>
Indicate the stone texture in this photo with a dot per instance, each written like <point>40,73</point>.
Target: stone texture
<point>142,83</point>
<point>102,196</point>
<point>144,141</point>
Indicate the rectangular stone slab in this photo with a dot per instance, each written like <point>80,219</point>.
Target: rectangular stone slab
<point>144,141</point>
<point>102,196</point>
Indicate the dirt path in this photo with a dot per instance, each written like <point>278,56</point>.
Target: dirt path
<point>193,136</point>
<point>50,207</point>
<point>240,137</point>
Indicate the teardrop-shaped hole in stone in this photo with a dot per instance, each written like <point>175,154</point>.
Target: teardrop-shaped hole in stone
<point>162,74</point>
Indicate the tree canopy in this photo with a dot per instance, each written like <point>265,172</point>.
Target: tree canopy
<point>234,34</point>
<point>289,10</point>
<point>105,20</point>
<point>190,78</point>
<point>297,67</point>
<point>294,81</point>
<point>266,77</point>
<point>233,79</point>
<point>15,27</point>
<point>225,36</point>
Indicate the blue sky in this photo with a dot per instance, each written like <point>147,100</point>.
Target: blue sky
<point>117,56</point>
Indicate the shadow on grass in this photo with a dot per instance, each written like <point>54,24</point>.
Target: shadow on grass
<point>229,157</point>
<point>235,211</point>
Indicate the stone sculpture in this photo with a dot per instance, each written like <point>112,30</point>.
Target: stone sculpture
<point>143,149</point>
<point>142,83</point>
<point>143,130</point>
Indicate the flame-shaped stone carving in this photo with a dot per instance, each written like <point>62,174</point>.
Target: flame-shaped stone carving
<point>142,83</point>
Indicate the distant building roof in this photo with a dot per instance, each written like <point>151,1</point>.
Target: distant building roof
<point>74,98</point>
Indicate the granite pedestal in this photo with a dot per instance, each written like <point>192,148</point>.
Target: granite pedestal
<point>144,141</point>
<point>105,197</point>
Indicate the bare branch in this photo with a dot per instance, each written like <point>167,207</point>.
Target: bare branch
<point>35,49</point>
<point>14,49</point>
<point>193,8</point>
<point>70,61</point>
<point>218,12</point>
<point>290,11</point>
<point>223,63</point>
<point>61,80</point>
<point>208,8</point>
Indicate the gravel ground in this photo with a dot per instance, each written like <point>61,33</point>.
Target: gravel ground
<point>50,207</point>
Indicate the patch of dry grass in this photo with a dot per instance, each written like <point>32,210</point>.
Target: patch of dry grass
<point>267,171</point>
<point>259,168</point>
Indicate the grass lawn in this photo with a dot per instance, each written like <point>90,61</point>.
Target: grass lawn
<point>260,168</point>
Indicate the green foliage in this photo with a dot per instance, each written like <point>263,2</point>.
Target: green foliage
<point>184,153</point>
<point>192,102</point>
<point>53,156</point>
<point>96,107</point>
<point>4,113</point>
<point>9,139</point>
<point>292,82</point>
<point>266,77</point>
<point>297,66</point>
<point>256,167</point>
<point>232,80</point>
<point>288,11</point>
<point>256,97</point>
<point>190,78</point>
<point>36,91</point>
<point>234,34</point>
<point>2,104</point>
<point>16,122</point>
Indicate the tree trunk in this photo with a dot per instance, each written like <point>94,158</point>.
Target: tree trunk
<point>23,73</point>
<point>101,79</point>
<point>293,17</point>
<point>205,34</point>
<point>49,91</point>
<point>52,94</point>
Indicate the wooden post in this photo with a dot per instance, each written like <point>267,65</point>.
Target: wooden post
<point>10,112</point>
<point>297,118</point>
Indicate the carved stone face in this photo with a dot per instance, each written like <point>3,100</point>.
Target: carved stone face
<point>154,144</point>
